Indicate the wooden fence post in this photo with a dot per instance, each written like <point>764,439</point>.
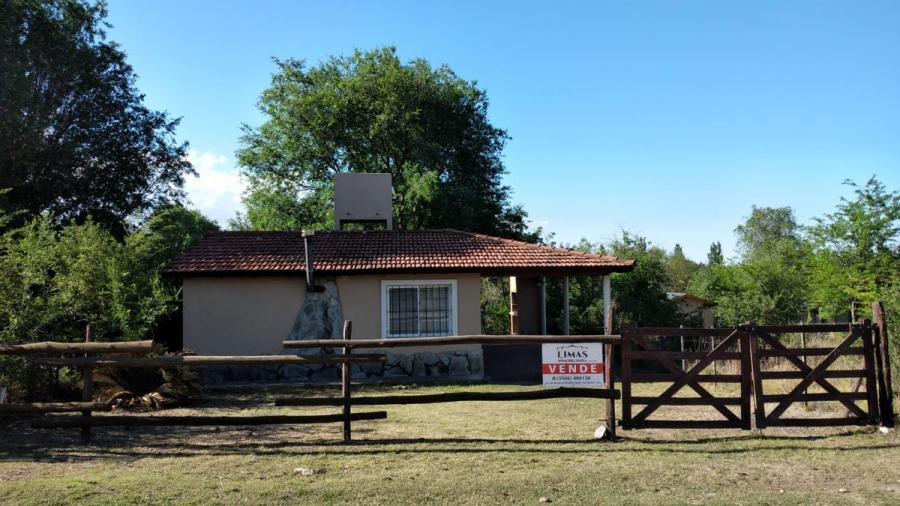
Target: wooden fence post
<point>87,394</point>
<point>883,364</point>
<point>610,381</point>
<point>346,373</point>
<point>756,387</point>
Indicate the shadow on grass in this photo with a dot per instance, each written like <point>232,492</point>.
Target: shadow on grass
<point>168,443</point>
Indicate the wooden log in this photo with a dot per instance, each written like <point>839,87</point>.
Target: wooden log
<point>383,400</point>
<point>52,407</point>
<point>609,385</point>
<point>189,360</point>
<point>52,347</point>
<point>453,340</point>
<point>345,381</point>
<point>609,352</point>
<point>883,357</point>
<point>626,382</point>
<point>53,422</point>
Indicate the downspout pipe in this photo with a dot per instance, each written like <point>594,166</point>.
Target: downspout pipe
<point>310,271</point>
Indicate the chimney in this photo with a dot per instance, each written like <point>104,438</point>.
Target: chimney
<point>310,271</point>
<point>363,199</point>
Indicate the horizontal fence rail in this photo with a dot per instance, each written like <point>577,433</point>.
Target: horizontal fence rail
<point>52,407</point>
<point>51,347</point>
<point>188,360</point>
<point>451,340</point>
<point>383,400</point>
<point>56,422</point>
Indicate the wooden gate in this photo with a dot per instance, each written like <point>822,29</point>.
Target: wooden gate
<point>751,350</point>
<point>858,342</point>
<point>637,345</point>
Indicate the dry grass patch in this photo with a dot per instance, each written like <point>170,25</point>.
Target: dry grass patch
<point>472,453</point>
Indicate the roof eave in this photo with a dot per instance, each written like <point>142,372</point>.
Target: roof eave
<point>484,271</point>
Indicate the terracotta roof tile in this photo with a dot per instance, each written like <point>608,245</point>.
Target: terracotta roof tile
<point>225,253</point>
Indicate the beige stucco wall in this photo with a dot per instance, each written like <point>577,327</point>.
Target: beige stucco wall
<point>240,315</point>
<point>253,315</point>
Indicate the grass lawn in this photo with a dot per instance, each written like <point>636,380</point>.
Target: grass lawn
<point>462,453</point>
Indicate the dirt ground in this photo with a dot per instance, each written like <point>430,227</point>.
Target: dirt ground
<point>472,453</point>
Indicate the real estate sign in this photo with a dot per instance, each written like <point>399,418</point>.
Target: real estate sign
<point>572,364</point>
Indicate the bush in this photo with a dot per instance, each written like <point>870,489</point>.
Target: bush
<point>53,282</point>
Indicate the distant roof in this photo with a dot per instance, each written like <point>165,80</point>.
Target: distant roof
<point>678,297</point>
<point>385,251</point>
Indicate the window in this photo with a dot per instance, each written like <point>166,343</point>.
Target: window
<point>418,308</point>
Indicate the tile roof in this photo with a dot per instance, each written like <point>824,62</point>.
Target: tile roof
<point>385,251</point>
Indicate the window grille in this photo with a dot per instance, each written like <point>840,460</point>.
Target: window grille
<point>424,310</point>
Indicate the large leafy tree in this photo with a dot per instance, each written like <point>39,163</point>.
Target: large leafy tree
<point>770,283</point>
<point>76,139</point>
<point>857,250</point>
<point>370,112</point>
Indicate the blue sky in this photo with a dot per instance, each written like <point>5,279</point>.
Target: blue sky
<point>669,119</point>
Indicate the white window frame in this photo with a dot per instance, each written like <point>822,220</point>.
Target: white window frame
<point>385,299</point>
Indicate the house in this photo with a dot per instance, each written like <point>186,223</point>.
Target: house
<point>691,305</point>
<point>246,292</point>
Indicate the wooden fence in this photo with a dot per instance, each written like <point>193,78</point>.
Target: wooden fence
<point>746,347</point>
<point>92,355</point>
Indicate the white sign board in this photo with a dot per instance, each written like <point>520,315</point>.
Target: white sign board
<point>572,364</point>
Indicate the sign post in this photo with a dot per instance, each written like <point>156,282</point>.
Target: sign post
<point>573,364</point>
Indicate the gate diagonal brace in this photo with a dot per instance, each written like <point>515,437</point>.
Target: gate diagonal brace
<point>802,366</point>
<point>686,379</point>
<point>812,376</point>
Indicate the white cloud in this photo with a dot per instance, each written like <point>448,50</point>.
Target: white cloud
<point>217,187</point>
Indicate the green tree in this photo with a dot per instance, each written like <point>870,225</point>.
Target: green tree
<point>76,139</point>
<point>767,232</point>
<point>495,305</point>
<point>770,283</point>
<point>679,269</point>
<point>714,256</point>
<point>54,281</point>
<point>168,232</point>
<point>856,251</point>
<point>640,295</point>
<point>277,205</point>
<point>370,112</point>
